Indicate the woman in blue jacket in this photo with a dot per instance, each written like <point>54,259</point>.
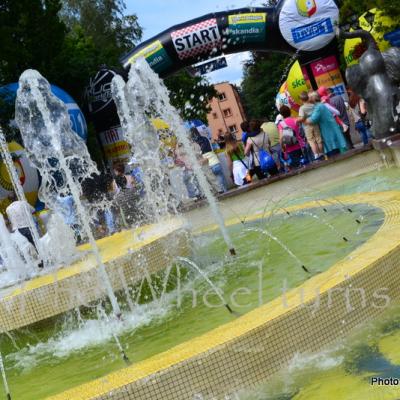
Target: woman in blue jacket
<point>332,136</point>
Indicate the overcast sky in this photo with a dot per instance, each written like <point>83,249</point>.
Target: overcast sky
<point>156,16</point>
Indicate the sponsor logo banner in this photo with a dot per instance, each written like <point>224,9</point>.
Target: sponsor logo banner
<point>197,39</point>
<point>324,66</point>
<point>210,66</point>
<point>155,55</point>
<point>247,28</point>
<point>313,30</point>
<point>98,93</point>
<point>306,8</point>
<point>308,24</point>
<point>114,145</point>
<point>327,73</point>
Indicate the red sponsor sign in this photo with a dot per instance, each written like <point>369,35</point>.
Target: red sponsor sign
<point>325,66</point>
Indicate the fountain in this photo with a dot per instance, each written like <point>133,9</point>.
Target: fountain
<point>169,335</point>
<point>143,97</point>
<point>94,337</point>
<point>145,146</point>
<point>20,193</point>
<point>53,149</point>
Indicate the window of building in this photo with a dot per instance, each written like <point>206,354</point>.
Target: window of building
<point>233,129</point>
<point>227,112</point>
<point>215,116</point>
<point>222,96</point>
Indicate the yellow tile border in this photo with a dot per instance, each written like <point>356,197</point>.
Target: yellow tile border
<point>383,242</point>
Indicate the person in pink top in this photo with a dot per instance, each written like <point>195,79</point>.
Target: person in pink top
<point>293,145</point>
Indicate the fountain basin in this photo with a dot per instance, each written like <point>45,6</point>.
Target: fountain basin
<point>255,346</point>
<point>78,284</point>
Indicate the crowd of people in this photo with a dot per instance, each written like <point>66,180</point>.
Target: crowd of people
<point>320,131</point>
<point>116,199</point>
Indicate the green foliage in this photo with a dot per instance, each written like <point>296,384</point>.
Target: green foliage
<point>31,36</point>
<point>103,22</point>
<point>349,8</point>
<point>190,95</point>
<point>262,76</point>
<point>26,44</point>
<point>78,60</point>
<point>65,40</point>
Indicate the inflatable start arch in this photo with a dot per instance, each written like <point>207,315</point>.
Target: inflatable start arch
<point>303,26</point>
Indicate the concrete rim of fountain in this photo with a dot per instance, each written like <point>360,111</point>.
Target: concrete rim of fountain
<point>78,284</point>
<point>265,339</point>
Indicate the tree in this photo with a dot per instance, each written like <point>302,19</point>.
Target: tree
<point>77,61</point>
<point>103,22</point>
<point>261,78</point>
<point>190,95</point>
<point>26,44</point>
<point>354,8</point>
<point>31,37</point>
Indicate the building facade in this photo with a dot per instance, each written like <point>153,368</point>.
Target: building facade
<point>227,112</point>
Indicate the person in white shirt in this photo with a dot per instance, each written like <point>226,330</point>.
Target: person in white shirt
<point>19,214</point>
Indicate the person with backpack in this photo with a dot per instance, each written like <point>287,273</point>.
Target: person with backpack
<point>259,146</point>
<point>271,130</point>
<point>293,145</point>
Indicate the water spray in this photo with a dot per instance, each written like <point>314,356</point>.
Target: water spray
<point>275,239</point>
<point>344,206</point>
<point>19,192</point>
<point>4,377</point>
<point>117,341</point>
<point>121,349</point>
<point>194,266</point>
<point>155,96</point>
<point>45,126</point>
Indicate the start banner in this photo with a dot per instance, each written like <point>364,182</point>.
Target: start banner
<point>197,39</point>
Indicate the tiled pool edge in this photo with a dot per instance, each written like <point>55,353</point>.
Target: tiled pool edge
<point>255,346</point>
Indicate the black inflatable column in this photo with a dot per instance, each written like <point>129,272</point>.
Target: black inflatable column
<point>103,114</point>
